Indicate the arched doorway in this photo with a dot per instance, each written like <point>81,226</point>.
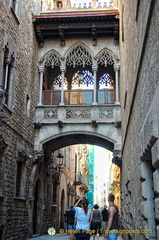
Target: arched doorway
<point>62,219</point>
<point>37,208</point>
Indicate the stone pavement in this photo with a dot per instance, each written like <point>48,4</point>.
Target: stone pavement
<point>60,236</point>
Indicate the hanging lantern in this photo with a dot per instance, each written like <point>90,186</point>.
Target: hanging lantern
<point>80,77</point>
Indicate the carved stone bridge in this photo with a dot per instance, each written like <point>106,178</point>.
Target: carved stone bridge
<point>78,79</point>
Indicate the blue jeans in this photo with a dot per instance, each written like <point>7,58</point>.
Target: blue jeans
<point>70,227</point>
<point>112,236</point>
<point>82,236</point>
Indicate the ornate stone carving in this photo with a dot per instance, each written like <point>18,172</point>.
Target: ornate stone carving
<point>37,156</point>
<point>79,56</point>
<point>105,59</point>
<point>70,189</point>
<point>78,113</point>
<point>106,113</point>
<point>2,142</point>
<point>50,113</point>
<point>53,59</point>
<point>117,158</point>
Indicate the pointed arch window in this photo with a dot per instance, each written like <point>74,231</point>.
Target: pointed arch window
<point>20,174</point>
<point>8,77</point>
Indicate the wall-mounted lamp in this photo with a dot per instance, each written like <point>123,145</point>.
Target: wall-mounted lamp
<point>56,169</point>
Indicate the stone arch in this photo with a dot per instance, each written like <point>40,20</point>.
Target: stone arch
<point>110,57</point>
<point>83,47</point>
<point>51,58</point>
<point>71,138</point>
<point>38,174</point>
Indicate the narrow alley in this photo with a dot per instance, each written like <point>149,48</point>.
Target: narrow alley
<point>64,236</point>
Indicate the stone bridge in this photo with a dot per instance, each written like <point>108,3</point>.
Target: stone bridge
<point>60,126</point>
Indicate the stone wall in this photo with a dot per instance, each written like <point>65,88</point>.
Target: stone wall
<point>139,90</point>
<point>17,131</point>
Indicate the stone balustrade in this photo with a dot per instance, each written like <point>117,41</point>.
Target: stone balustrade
<point>77,114</point>
<point>48,5</point>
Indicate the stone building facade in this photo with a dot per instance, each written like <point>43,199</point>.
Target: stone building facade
<point>140,117</point>
<point>28,177</point>
<point>19,78</point>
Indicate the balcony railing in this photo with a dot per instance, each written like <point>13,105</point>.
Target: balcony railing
<point>48,5</point>
<point>78,97</point>
<point>80,179</point>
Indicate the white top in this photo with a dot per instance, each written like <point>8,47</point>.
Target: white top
<point>83,220</point>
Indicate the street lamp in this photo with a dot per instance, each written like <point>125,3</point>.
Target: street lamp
<point>80,77</point>
<point>60,161</point>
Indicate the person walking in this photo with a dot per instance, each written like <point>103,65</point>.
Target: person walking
<point>112,225</point>
<point>104,217</point>
<point>70,221</point>
<point>82,219</point>
<point>96,220</point>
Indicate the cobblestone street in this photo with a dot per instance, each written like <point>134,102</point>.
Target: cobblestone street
<point>63,236</point>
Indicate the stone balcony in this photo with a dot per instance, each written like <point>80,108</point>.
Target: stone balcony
<point>88,5</point>
<point>78,107</point>
<point>76,114</point>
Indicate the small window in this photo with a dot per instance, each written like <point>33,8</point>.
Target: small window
<point>27,106</point>
<point>15,6</point>
<point>18,178</point>
<point>20,174</point>
<point>8,77</point>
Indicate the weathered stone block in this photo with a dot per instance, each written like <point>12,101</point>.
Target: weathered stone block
<point>157,231</point>
<point>155,155</point>
<point>145,171</point>
<point>147,209</point>
<point>147,191</point>
<point>156,182</point>
<point>157,208</point>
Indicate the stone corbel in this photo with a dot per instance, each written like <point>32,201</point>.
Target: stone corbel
<point>94,37</point>
<point>22,154</point>
<point>94,123</point>
<point>2,143</point>
<point>117,158</point>
<point>38,156</point>
<point>60,124</point>
<point>62,36</point>
<point>40,37</point>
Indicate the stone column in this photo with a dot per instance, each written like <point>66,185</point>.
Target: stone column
<point>7,62</point>
<point>95,68</point>
<point>63,69</point>
<point>94,2</point>
<point>41,71</point>
<point>116,69</point>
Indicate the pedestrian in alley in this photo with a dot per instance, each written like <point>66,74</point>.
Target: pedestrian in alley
<point>112,225</point>
<point>96,220</point>
<point>82,219</point>
<point>70,221</point>
<point>104,217</point>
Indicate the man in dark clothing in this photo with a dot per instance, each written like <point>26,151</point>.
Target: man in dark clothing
<point>104,217</point>
<point>70,221</point>
<point>112,225</point>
